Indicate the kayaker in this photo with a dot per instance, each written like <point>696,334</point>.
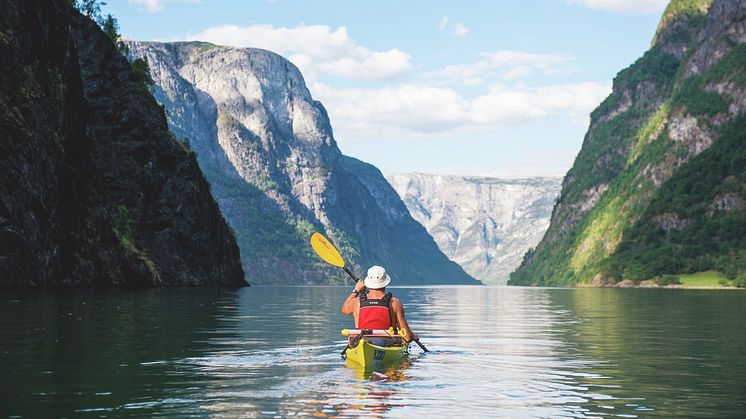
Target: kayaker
<point>376,309</point>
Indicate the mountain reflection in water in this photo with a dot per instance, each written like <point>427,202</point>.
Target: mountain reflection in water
<point>274,351</point>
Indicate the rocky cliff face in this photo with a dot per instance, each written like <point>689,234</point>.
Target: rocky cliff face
<point>658,186</point>
<point>483,224</point>
<point>268,151</point>
<point>94,190</point>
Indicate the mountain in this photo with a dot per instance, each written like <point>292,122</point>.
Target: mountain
<point>483,224</point>
<point>268,150</point>
<point>94,189</point>
<point>659,184</point>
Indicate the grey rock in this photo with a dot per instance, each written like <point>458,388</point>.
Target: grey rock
<point>267,148</point>
<point>484,224</point>
<point>94,190</point>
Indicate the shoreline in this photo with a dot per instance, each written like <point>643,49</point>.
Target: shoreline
<point>704,280</point>
<point>631,284</point>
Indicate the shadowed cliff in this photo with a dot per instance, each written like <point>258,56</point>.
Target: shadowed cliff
<point>95,191</point>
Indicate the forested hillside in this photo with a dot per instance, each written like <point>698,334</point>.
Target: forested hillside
<point>660,182</point>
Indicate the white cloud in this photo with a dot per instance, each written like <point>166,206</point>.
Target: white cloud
<point>152,6</point>
<point>625,6</point>
<point>520,104</point>
<point>406,108</point>
<point>459,30</point>
<point>443,23</point>
<point>314,49</point>
<point>506,65</point>
<point>411,111</point>
<point>456,29</point>
<point>155,6</point>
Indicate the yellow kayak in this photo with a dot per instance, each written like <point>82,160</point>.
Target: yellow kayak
<point>370,355</point>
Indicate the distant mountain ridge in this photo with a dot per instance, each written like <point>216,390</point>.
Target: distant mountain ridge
<point>659,185</point>
<point>268,150</point>
<point>484,224</point>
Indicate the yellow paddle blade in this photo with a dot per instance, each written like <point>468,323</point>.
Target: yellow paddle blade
<point>326,251</point>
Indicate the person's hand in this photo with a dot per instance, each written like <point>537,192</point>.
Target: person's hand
<point>360,286</point>
<point>411,337</point>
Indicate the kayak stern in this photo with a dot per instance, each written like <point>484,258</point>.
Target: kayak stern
<point>371,356</point>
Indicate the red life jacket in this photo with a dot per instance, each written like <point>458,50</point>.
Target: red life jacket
<point>374,313</point>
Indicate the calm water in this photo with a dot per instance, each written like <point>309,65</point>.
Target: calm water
<point>268,351</point>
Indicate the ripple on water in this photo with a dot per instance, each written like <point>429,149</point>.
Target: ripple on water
<point>495,352</point>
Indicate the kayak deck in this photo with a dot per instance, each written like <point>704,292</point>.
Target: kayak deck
<point>370,356</point>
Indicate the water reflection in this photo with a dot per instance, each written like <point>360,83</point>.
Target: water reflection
<point>92,352</point>
<point>663,352</point>
<point>501,342</point>
<point>372,395</point>
<point>498,352</point>
<point>395,372</point>
<point>273,351</point>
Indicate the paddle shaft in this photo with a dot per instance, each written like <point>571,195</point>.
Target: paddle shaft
<point>351,274</point>
<point>417,341</point>
<point>352,344</point>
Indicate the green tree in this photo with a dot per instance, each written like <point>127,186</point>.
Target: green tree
<point>90,8</point>
<point>668,280</point>
<point>142,71</point>
<point>527,255</point>
<point>110,26</point>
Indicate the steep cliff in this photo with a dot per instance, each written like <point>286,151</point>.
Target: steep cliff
<point>268,150</point>
<point>483,224</point>
<point>94,189</point>
<point>658,186</point>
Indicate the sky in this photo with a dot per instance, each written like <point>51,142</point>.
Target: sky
<point>470,87</point>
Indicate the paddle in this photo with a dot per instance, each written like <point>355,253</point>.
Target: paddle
<point>417,341</point>
<point>329,254</point>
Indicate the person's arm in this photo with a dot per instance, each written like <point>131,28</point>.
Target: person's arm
<point>348,307</point>
<point>398,308</point>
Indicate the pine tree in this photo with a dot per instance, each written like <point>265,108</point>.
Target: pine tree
<point>141,67</point>
<point>110,26</point>
<point>90,8</point>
